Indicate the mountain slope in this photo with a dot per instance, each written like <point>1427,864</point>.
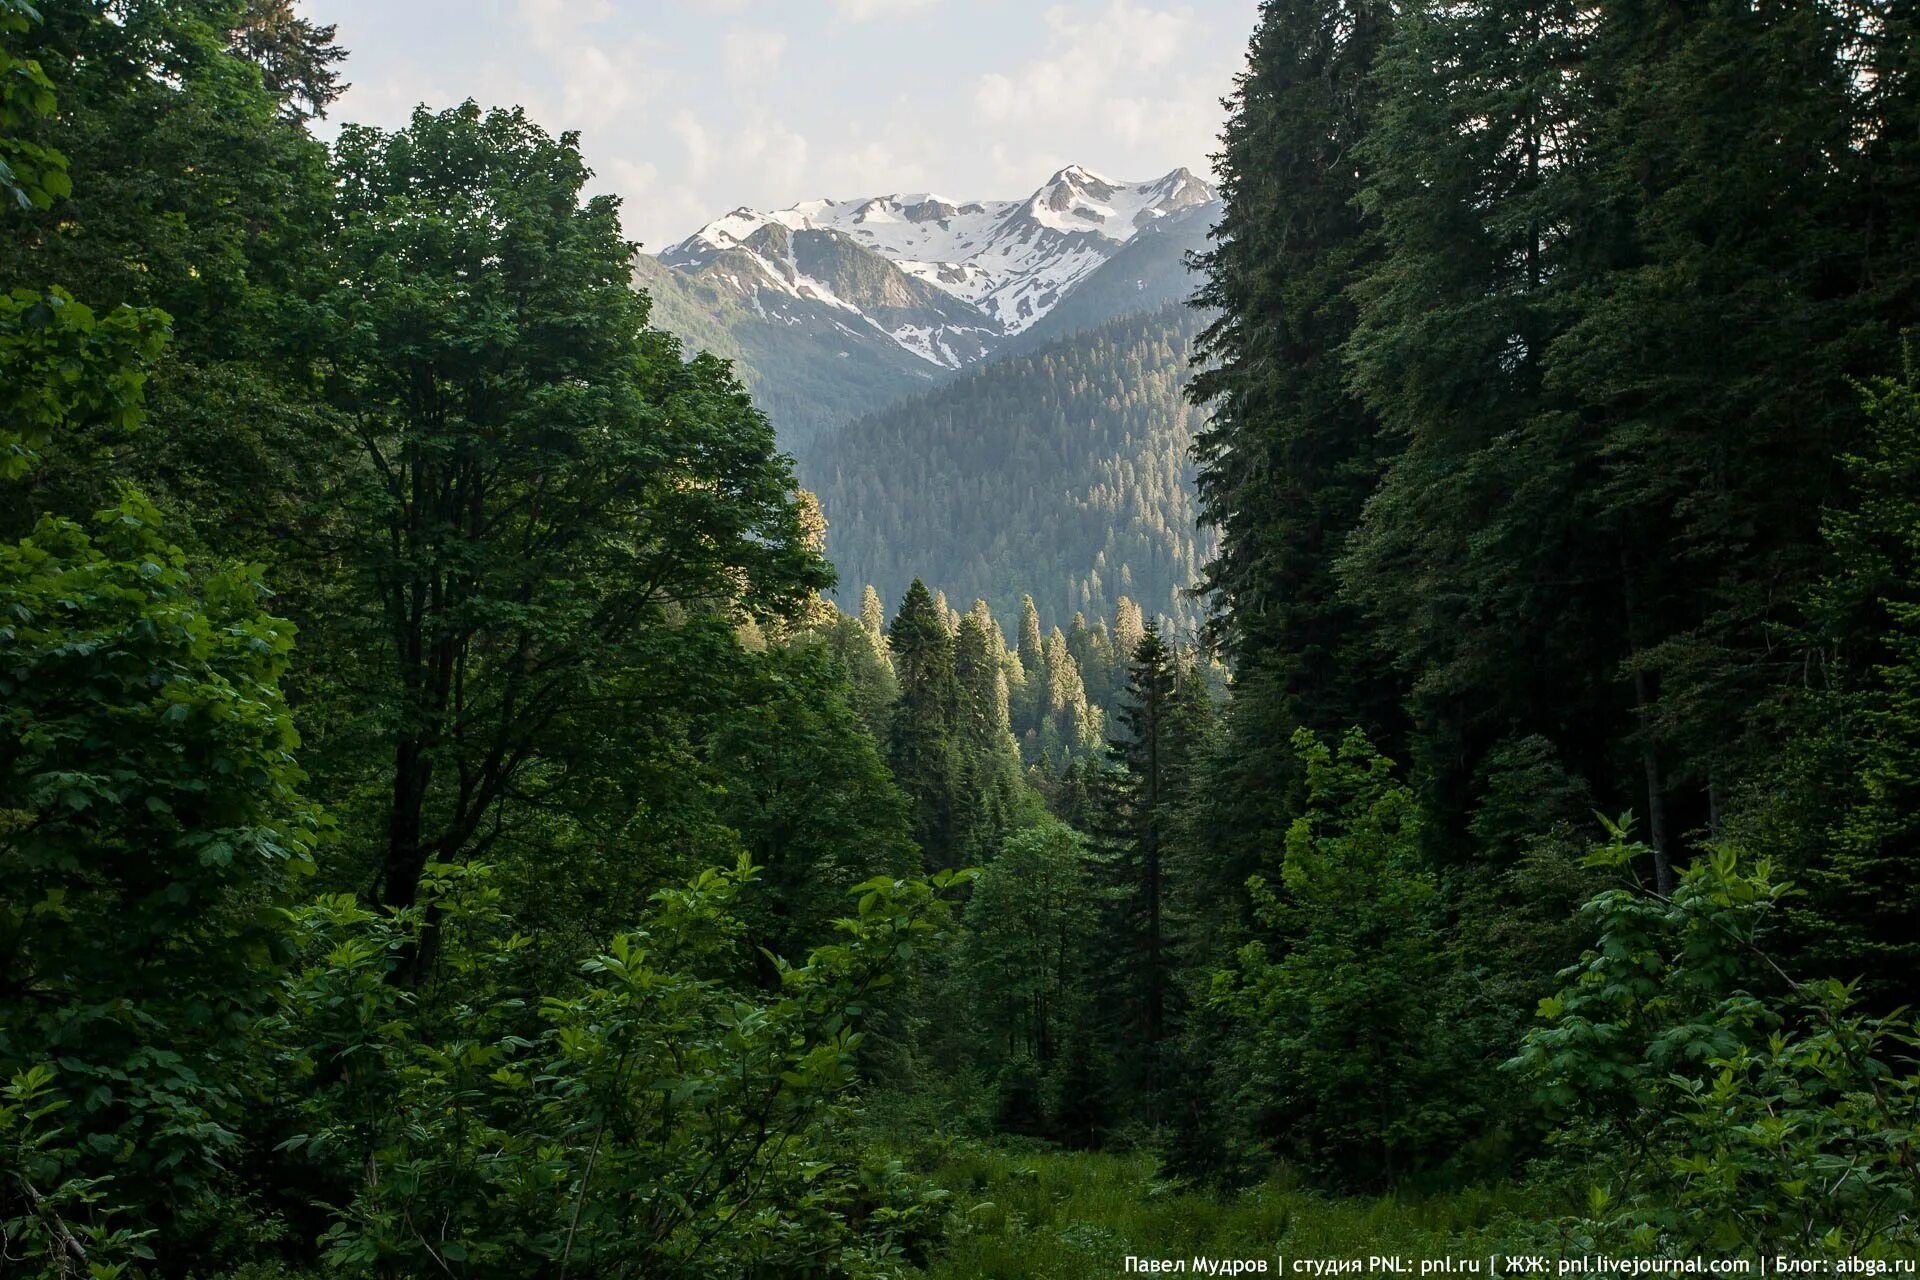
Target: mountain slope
<point>835,309</point>
<point>808,275</point>
<point>807,371</point>
<point>1147,273</point>
<point>1009,261</point>
<point>1065,471</point>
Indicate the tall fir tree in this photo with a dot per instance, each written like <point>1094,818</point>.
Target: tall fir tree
<point>1137,801</point>
<point>1290,454</point>
<point>873,617</point>
<point>983,735</point>
<point>923,749</point>
<point>1844,810</point>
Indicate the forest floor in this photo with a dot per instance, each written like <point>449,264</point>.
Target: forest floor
<point>1054,1215</point>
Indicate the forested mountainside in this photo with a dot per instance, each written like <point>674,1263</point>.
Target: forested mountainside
<point>1063,472</point>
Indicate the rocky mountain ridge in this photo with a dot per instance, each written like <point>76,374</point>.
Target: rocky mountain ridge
<point>946,280</point>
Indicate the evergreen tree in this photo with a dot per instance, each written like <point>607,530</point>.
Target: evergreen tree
<point>1484,571</point>
<point>1082,446</point>
<point>983,736</point>
<point>1138,796</point>
<point>1129,627</point>
<point>924,750</point>
<point>297,58</point>
<point>1845,809</point>
<point>1030,636</point>
<point>1023,960</point>
<point>1290,454</point>
<point>873,618</point>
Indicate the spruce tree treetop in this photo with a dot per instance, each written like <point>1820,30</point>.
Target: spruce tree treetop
<point>1029,647</point>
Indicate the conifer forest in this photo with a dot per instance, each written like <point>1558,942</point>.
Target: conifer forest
<point>1410,751</point>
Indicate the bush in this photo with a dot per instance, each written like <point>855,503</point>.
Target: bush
<point>1719,1104</point>
<point>653,1114</point>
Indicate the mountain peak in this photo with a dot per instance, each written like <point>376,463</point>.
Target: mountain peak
<point>1078,174</point>
<point>1013,260</point>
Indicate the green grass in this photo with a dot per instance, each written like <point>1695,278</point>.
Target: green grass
<point>1064,1215</point>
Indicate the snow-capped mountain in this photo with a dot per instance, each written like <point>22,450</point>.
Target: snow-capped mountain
<point>946,280</point>
<point>811,275</point>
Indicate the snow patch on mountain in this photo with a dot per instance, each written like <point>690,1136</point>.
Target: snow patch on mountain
<point>1008,261</point>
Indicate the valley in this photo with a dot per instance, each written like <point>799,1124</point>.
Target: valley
<point>1358,710</point>
<point>944,374</point>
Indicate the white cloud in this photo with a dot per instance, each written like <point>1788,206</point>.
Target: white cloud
<point>548,19</point>
<point>867,10</point>
<point>695,142</point>
<point>1091,63</point>
<point>752,52</point>
<point>761,157</point>
<point>1123,78</point>
<point>894,159</point>
<point>693,108</point>
<point>650,202</point>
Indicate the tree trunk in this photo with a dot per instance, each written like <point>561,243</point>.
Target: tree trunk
<point>406,855</point>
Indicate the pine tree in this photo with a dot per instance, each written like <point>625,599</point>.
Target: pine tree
<point>1855,835</point>
<point>873,619</point>
<point>989,759</point>
<point>1137,798</point>
<point>1480,561</point>
<point>1290,454</point>
<point>1129,627</point>
<point>1727,151</point>
<point>923,750</point>
<point>1030,656</point>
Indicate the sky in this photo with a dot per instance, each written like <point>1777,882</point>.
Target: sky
<point>690,108</point>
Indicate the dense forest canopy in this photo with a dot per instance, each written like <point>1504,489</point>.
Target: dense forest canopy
<point>446,829</point>
<point>1066,473</point>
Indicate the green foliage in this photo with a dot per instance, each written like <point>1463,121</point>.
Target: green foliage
<point>1846,812</point>
<point>197,199</point>
<point>69,375</point>
<point>1289,454</point>
<point>922,752</point>
<point>1136,798</point>
<point>1348,1059</point>
<point>152,798</point>
<point>652,1113</point>
<point>1532,398</point>
<point>805,788</point>
<point>931,487</point>
<point>32,174</point>
<point>552,512</point>
<point>1716,1105</point>
<point>297,58</point>
<point>148,795</point>
<point>64,1219</point>
<point>1022,966</point>
<point>195,196</point>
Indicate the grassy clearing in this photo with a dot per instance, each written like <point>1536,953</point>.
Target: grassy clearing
<point>1064,1216</point>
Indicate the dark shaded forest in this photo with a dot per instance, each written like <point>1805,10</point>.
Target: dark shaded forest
<point>445,829</point>
<point>1066,473</point>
